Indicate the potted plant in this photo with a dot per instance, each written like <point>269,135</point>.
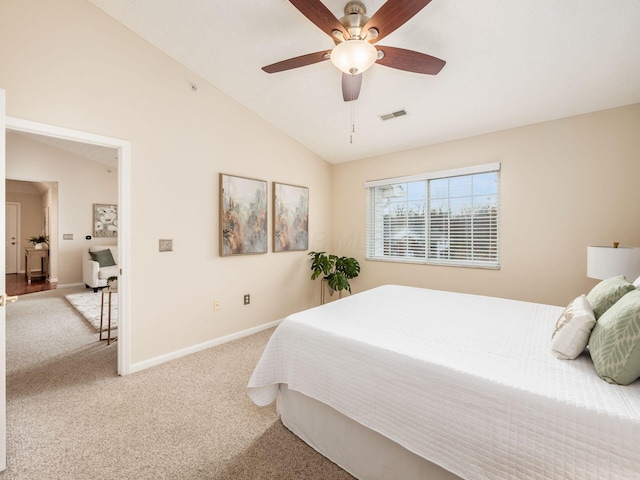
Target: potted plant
<point>337,271</point>
<point>38,240</point>
<point>112,282</point>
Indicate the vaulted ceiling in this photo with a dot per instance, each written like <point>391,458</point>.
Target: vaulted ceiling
<point>509,63</point>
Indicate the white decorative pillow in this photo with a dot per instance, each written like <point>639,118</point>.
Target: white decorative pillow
<point>571,334</point>
<point>637,283</point>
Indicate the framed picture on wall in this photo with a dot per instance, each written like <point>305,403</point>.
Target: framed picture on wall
<point>290,217</point>
<point>243,215</point>
<point>105,220</point>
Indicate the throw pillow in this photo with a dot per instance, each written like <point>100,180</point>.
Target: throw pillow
<point>571,334</point>
<point>103,257</point>
<point>615,341</point>
<point>608,292</point>
<point>637,283</point>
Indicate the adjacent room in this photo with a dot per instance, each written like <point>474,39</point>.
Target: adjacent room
<point>439,205</point>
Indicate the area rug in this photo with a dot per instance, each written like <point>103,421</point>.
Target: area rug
<point>88,305</point>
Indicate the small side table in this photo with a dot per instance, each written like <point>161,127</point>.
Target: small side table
<point>39,256</point>
<point>107,292</point>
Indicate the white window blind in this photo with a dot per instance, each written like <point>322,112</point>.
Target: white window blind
<point>449,217</point>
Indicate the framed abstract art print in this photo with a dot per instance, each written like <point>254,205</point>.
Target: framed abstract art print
<point>243,215</point>
<point>290,217</point>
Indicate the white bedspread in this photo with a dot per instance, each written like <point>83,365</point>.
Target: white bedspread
<point>467,382</point>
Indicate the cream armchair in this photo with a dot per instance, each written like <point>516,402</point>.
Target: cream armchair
<point>93,274</point>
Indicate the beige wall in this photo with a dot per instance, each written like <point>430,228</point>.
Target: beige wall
<point>566,184</point>
<point>66,63</point>
<point>81,183</point>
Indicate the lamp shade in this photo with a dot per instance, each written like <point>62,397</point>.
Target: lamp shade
<point>353,56</point>
<point>607,262</point>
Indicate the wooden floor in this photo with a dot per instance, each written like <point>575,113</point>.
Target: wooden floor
<point>17,284</point>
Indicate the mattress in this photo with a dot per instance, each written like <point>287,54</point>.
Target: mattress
<point>467,382</point>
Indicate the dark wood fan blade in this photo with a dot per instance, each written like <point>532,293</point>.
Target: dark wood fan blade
<point>301,61</point>
<point>410,61</point>
<point>320,15</point>
<point>392,15</point>
<point>351,86</point>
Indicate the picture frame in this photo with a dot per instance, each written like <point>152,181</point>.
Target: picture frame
<point>290,217</point>
<point>243,216</point>
<point>105,220</point>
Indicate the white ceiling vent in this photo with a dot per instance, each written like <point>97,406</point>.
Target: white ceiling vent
<point>391,115</point>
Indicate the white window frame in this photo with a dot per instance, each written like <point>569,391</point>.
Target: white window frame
<point>375,229</point>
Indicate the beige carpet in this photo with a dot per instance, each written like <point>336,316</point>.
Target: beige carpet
<point>71,417</point>
<point>89,304</point>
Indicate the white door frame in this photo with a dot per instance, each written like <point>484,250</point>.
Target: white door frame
<point>3,292</point>
<point>124,203</point>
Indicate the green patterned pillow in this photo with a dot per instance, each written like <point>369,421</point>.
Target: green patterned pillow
<point>103,257</point>
<point>615,341</point>
<point>608,292</point>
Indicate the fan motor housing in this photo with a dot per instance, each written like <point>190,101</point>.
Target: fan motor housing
<point>354,19</point>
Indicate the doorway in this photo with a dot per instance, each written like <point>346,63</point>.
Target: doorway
<point>29,206</point>
<point>123,148</point>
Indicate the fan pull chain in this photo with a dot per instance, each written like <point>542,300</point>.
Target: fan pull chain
<point>353,123</point>
<point>353,109</point>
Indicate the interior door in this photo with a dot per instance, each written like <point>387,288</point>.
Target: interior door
<point>11,238</point>
<point>3,293</point>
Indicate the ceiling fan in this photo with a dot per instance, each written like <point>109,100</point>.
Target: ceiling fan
<point>354,36</point>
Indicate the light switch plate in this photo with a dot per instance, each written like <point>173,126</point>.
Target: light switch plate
<point>166,246</point>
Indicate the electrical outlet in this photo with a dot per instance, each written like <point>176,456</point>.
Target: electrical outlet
<point>247,299</point>
<point>216,305</point>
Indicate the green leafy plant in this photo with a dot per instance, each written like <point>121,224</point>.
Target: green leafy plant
<point>38,239</point>
<point>112,282</point>
<point>336,270</point>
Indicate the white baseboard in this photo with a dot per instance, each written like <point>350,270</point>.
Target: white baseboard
<point>71,285</point>
<point>152,362</point>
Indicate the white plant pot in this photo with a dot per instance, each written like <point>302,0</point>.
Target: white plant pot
<point>38,246</point>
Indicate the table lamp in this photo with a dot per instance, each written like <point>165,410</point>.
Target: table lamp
<point>607,262</point>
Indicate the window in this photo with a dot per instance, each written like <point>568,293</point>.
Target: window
<point>447,218</point>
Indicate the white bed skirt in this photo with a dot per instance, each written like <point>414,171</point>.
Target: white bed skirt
<point>363,453</point>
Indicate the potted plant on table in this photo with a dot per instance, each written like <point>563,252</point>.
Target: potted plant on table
<point>112,283</point>
<point>337,271</point>
<point>38,240</point>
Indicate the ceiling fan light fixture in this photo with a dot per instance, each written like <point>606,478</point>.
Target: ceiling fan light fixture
<point>353,56</point>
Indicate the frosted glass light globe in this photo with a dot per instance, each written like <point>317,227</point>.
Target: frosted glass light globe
<point>353,56</point>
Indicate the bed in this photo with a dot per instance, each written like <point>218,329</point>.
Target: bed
<point>403,382</point>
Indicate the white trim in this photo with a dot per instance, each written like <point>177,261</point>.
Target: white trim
<point>152,362</point>
<point>124,259</point>
<point>71,285</point>
<point>47,130</point>
<point>3,336</point>
<point>454,172</point>
<point>124,206</point>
